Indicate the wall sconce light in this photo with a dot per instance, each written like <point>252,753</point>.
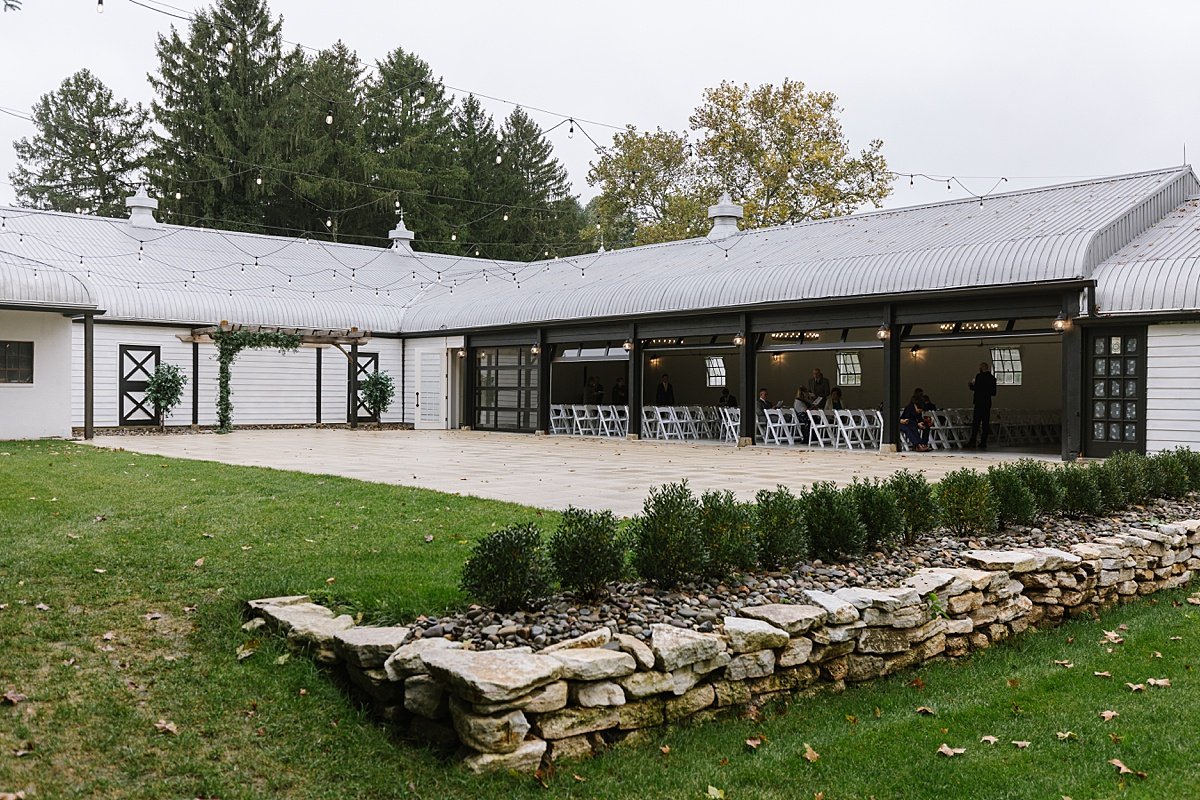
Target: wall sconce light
<point>628,345</point>
<point>1062,322</point>
<point>738,339</point>
<point>535,350</point>
<point>461,353</point>
<point>883,333</point>
<point>915,350</point>
<point>776,358</point>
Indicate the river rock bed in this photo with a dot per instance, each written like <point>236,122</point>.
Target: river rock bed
<point>631,608</point>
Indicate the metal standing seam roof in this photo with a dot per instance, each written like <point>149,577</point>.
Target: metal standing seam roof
<point>23,285</point>
<point>199,276</point>
<point>1039,235</point>
<point>1156,272</point>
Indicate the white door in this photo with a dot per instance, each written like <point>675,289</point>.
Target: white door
<point>431,390</point>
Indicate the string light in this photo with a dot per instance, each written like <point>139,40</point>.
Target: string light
<point>499,158</point>
<point>258,180</point>
<point>329,222</point>
<point>454,237</point>
<point>256,262</point>
<point>99,6</point>
<point>91,145</point>
<point>178,195</point>
<point>506,217</point>
<point>140,249</point>
<point>571,130</point>
<point>229,47</point>
<point>329,116</point>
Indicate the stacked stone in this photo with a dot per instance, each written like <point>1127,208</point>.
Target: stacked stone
<point>516,709</point>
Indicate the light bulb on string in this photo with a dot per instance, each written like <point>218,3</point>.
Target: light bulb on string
<point>229,47</point>
<point>99,6</point>
<point>948,186</point>
<point>439,277</point>
<point>499,158</point>
<point>91,145</point>
<point>329,116</point>
<point>289,278</point>
<point>329,222</point>
<point>272,288</point>
<point>910,180</point>
<point>139,286</point>
<point>258,180</point>
<point>178,195</point>
<point>476,252</point>
<point>351,290</point>
<point>454,237</point>
<point>78,210</point>
<point>420,97</point>
<point>571,130</point>
<point>241,267</point>
<point>506,216</point>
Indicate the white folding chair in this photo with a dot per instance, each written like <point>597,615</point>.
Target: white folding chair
<point>585,420</point>
<point>791,422</point>
<point>731,424</point>
<point>820,430</point>
<point>668,423</point>
<point>560,420</point>
<point>621,413</point>
<point>760,426</point>
<point>777,432</point>
<point>606,421</point>
<point>848,430</point>
<point>687,422</point>
<point>866,422</point>
<point>650,426</point>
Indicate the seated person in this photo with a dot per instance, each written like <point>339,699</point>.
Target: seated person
<point>764,403</point>
<point>912,425</point>
<point>803,401</point>
<point>726,399</point>
<point>926,403</point>
<point>835,400</point>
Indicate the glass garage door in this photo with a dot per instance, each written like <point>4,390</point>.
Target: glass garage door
<point>1116,391</point>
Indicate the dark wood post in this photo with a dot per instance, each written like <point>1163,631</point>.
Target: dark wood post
<point>891,382</point>
<point>749,375</point>
<point>1072,381</point>
<point>319,376</point>
<point>470,375</point>
<point>635,389</point>
<point>353,404</point>
<point>543,387</point>
<point>195,384</point>
<point>89,376</point>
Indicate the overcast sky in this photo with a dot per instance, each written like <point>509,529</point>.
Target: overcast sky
<point>1039,92</point>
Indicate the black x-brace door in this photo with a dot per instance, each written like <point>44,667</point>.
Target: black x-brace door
<point>137,364</point>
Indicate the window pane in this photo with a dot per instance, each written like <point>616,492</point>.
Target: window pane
<point>1114,388</point>
<point>1098,430</point>
<point>1131,344</point>
<point>1101,346</point>
<point>1131,411</point>
<point>1131,366</point>
<point>849,369</point>
<point>1098,409</point>
<point>1114,409</point>
<point>1100,367</point>
<point>1114,346</point>
<point>1131,433</point>
<point>1131,388</point>
<point>1114,431</point>
<point>1115,367</point>
<point>1098,388</point>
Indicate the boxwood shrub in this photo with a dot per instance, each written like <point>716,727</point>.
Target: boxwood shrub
<point>915,499</point>
<point>1081,494</point>
<point>880,514</point>
<point>779,528</point>
<point>835,530</point>
<point>1015,503</point>
<point>728,530</point>
<point>508,568</point>
<point>965,502</point>
<point>587,551</point>
<point>667,543</point>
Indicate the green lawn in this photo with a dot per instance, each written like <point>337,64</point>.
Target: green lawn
<point>136,630</point>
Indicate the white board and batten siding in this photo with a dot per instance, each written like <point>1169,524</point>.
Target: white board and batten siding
<point>42,408</point>
<point>268,387</point>
<point>1172,387</point>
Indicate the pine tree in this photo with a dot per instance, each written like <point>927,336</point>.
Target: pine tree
<point>482,212</point>
<point>87,150</point>
<point>328,166</point>
<point>224,107</point>
<point>547,219</point>
<point>410,141</point>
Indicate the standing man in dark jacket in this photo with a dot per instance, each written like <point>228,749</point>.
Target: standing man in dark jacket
<point>664,395</point>
<point>984,388</point>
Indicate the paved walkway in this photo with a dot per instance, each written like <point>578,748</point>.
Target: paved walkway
<point>545,471</point>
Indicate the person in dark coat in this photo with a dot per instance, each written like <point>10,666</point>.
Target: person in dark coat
<point>818,387</point>
<point>726,399</point>
<point>984,389</point>
<point>912,425</point>
<point>664,395</point>
<point>620,394</point>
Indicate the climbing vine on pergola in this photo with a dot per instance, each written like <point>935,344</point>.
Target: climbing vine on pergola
<point>229,344</point>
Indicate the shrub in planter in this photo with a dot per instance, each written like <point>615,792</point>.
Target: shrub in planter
<point>586,551</point>
<point>508,568</point>
<point>378,390</point>
<point>1131,470</point>
<point>965,502</point>
<point>879,512</point>
<point>666,540</point>
<point>1081,494</point>
<point>164,390</point>
<point>1168,475</point>
<point>1015,503</point>
<point>831,519</point>
<point>1040,480</point>
<point>779,528</point>
<point>1191,461</point>
<point>1108,482</point>
<point>914,498</point>
<point>728,530</point>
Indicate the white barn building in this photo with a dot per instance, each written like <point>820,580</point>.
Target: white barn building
<point>1087,294</point>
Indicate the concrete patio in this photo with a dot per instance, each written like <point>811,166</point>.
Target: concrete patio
<point>550,472</point>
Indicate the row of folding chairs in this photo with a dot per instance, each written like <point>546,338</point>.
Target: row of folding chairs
<point>681,422</point>
<point>850,428</point>
<point>1013,427</point>
<point>585,420</point>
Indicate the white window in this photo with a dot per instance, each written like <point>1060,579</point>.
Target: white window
<point>1006,365</point>
<point>715,367</point>
<point>849,370</point>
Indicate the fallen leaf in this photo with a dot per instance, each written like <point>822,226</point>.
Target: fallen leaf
<point>1108,716</point>
<point>989,739</point>
<point>283,659</point>
<point>1175,639</point>
<point>1065,735</point>
<point>189,609</point>
<point>1163,682</point>
<point>330,580</point>
<point>1122,627</point>
<point>1136,687</point>
<point>1115,738</point>
<point>1194,601</point>
<point>254,624</point>
<point>1020,745</point>
<point>1013,683</point>
<point>665,749</point>
<point>1105,674</point>
<point>12,795</point>
<point>109,636</point>
<point>99,518</point>
<point>12,697</point>
<point>99,570</point>
<point>810,755</point>
<point>925,711</point>
<point>199,562</point>
<point>1114,637</point>
<point>724,762</point>
<point>150,616</point>
<point>579,778</point>
<point>715,792</point>
<point>23,751</point>
<point>304,692</point>
<point>247,649</point>
<point>878,712</point>
<point>163,726</point>
<point>1156,654</point>
<point>1065,664</point>
<point>917,683</point>
<point>429,538</point>
<point>1124,770</point>
<point>949,752</point>
<point>42,607</point>
<point>853,720</point>
<point>753,742</point>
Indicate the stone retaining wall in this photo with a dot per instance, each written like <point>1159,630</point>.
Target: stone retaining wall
<point>513,709</point>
